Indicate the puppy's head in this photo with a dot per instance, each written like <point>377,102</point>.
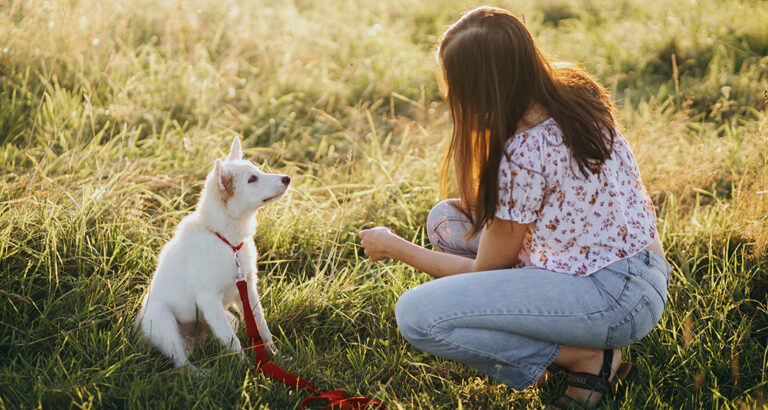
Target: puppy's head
<point>241,185</point>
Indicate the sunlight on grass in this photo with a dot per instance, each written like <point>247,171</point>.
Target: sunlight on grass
<point>112,113</point>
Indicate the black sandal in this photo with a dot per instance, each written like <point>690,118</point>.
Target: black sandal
<point>602,383</point>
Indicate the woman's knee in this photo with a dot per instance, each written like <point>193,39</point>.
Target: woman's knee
<point>413,317</point>
<point>441,212</point>
<point>446,224</point>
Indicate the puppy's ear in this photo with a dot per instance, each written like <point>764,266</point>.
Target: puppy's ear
<point>224,178</point>
<point>235,151</point>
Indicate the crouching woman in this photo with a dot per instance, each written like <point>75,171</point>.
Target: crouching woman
<point>550,255</point>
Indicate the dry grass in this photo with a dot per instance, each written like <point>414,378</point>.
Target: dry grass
<point>111,113</point>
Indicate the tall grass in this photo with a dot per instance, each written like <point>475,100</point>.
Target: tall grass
<point>111,114</point>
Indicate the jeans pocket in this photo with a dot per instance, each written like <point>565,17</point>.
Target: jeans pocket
<point>653,277</point>
<point>634,326</point>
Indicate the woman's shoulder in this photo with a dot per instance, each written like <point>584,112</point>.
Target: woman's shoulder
<point>531,147</point>
<point>547,131</point>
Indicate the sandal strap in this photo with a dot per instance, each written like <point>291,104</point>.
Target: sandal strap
<point>605,371</point>
<point>588,381</point>
<point>600,383</point>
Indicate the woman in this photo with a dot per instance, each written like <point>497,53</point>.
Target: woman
<point>552,221</point>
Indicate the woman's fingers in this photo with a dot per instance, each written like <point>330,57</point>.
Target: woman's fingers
<point>368,240</point>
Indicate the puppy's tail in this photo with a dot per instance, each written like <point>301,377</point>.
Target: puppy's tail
<point>161,329</point>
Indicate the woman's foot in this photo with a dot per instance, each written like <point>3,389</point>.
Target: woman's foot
<point>592,363</point>
<point>592,374</point>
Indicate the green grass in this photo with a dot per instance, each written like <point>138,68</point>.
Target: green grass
<point>111,115</point>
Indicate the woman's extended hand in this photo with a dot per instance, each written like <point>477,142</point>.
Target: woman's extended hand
<point>376,242</point>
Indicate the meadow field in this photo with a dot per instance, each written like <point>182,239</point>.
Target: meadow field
<point>112,113</point>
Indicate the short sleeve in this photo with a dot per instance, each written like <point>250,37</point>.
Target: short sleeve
<point>521,185</point>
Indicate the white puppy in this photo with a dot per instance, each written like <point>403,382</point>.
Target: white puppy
<point>194,283</point>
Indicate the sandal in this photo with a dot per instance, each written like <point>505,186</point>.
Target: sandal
<point>603,383</point>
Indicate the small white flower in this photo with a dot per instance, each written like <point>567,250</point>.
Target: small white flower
<point>374,30</point>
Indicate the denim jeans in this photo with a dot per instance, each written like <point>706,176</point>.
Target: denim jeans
<point>512,323</point>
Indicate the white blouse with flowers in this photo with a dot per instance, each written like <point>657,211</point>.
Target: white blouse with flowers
<point>580,225</point>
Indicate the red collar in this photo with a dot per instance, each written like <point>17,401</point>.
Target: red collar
<point>234,248</point>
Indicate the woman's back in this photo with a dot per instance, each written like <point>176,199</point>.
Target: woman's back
<point>583,223</point>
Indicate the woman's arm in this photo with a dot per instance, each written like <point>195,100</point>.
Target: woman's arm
<point>500,244</point>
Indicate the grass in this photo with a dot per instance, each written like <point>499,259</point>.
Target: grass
<point>112,114</point>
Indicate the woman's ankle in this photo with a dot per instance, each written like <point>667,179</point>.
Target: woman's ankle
<point>585,360</point>
<point>589,362</point>
<point>576,358</point>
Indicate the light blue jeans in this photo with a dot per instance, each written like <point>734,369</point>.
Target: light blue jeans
<point>512,323</point>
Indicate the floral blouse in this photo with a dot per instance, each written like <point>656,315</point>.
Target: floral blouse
<point>580,225</point>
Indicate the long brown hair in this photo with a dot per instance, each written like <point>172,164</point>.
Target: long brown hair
<point>493,72</point>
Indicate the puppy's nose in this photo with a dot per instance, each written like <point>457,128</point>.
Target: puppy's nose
<point>286,180</point>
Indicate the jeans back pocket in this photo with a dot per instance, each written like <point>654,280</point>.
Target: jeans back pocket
<point>634,326</point>
<point>653,277</point>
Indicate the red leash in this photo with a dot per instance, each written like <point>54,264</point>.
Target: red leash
<point>337,398</point>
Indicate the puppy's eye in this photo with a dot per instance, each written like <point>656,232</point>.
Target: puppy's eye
<point>253,179</point>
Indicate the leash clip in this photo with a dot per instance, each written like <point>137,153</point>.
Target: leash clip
<point>240,275</point>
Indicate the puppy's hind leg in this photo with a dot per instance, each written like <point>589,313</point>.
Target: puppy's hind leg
<point>161,329</point>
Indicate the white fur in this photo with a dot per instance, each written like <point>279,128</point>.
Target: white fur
<point>195,276</point>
